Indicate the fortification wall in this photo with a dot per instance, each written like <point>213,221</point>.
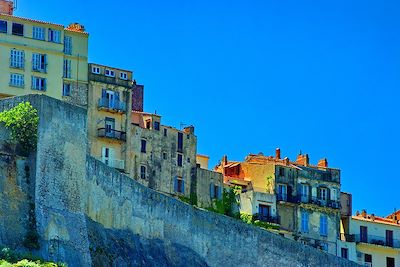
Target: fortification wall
<point>89,214</point>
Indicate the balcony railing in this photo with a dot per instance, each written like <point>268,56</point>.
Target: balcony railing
<point>307,199</point>
<point>378,240</point>
<point>110,80</point>
<point>111,133</point>
<point>114,163</point>
<point>115,105</point>
<point>347,237</point>
<point>270,219</point>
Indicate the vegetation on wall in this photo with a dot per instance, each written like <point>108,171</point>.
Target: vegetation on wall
<point>252,219</point>
<point>23,122</point>
<point>10,258</point>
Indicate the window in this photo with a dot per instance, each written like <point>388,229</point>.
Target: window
<point>304,222</point>
<point>180,142</point>
<point>188,136</point>
<point>38,33</point>
<point>390,262</point>
<point>143,146</point>
<point>3,26</point>
<point>18,29</point>
<point>282,192</point>
<point>96,70</point>
<point>54,36</point>
<point>323,193</point>
<point>215,191</point>
<point>68,45</point>
<point>109,73</point>
<point>157,125</point>
<point>180,160</point>
<point>39,62</point>
<point>179,184</point>
<point>344,253</point>
<point>281,172</point>
<point>66,89</point>
<point>389,238</point>
<point>38,83</point>
<point>364,234</point>
<point>368,259</point>
<point>110,127</point>
<point>264,211</point>
<point>148,124</point>
<point>188,160</point>
<point>304,192</point>
<point>165,132</point>
<point>123,75</point>
<point>164,155</point>
<point>143,172</point>
<point>334,195</point>
<point>17,80</point>
<point>17,59</point>
<point>67,68</point>
<point>323,225</point>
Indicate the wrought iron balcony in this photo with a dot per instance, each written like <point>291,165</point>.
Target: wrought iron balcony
<point>110,80</point>
<point>348,237</point>
<point>117,106</point>
<point>111,133</point>
<point>307,199</point>
<point>270,219</point>
<point>114,163</point>
<point>378,240</point>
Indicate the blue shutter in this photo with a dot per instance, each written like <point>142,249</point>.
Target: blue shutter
<point>103,93</point>
<point>183,186</point>
<point>211,191</point>
<point>175,184</point>
<point>219,192</point>
<point>117,96</point>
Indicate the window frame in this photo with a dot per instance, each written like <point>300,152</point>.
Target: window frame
<point>38,33</point>
<point>96,68</point>
<point>39,87</point>
<point>13,79</point>
<point>2,24</point>
<point>54,36</point>
<point>179,159</point>
<point>68,86</point>
<point>15,32</point>
<point>305,219</point>
<point>123,75</point>
<point>67,68</point>
<point>17,59</point>
<point>143,172</point>
<point>111,73</point>
<point>143,145</point>
<point>323,225</point>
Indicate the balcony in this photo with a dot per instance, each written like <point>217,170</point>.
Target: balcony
<point>347,237</point>
<point>113,106</point>
<point>111,133</point>
<point>114,163</point>
<point>110,80</point>
<point>310,200</point>
<point>377,240</point>
<point>270,219</point>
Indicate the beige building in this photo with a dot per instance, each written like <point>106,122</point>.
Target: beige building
<point>42,57</point>
<point>110,99</point>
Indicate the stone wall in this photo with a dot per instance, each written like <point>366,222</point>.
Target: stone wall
<point>203,179</point>
<point>90,214</point>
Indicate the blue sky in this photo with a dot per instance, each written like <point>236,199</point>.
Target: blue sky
<point>317,76</point>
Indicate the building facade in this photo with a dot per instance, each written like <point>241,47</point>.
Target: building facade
<point>42,58</point>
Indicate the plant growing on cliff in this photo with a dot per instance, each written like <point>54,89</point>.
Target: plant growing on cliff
<point>23,122</point>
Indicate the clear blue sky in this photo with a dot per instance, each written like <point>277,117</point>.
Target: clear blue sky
<point>317,76</point>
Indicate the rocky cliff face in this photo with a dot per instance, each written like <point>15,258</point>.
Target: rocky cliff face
<point>88,214</point>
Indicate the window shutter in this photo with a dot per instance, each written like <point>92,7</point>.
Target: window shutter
<point>299,190</point>
<point>211,191</point>
<point>117,96</point>
<point>219,192</point>
<point>175,184</point>
<point>103,93</point>
<point>318,193</point>
<point>183,186</point>
<point>321,230</point>
<point>328,194</point>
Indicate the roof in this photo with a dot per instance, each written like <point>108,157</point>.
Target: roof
<point>101,65</point>
<point>202,156</point>
<point>146,113</point>
<point>376,219</point>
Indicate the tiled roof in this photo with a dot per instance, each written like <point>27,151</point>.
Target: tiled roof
<point>31,20</point>
<point>375,219</point>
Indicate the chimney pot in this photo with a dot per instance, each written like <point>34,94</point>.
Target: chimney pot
<point>278,153</point>
<point>323,163</point>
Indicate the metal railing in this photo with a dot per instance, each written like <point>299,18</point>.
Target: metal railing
<point>348,237</point>
<point>110,80</point>
<point>307,199</point>
<point>270,219</point>
<point>114,163</point>
<point>111,133</point>
<point>378,240</point>
<point>113,105</point>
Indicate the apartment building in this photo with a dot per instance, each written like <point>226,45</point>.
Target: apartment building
<point>42,57</point>
<point>371,240</point>
<point>307,197</point>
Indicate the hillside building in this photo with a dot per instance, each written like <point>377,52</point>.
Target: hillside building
<point>42,58</point>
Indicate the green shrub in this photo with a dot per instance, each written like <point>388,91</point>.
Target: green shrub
<point>23,122</point>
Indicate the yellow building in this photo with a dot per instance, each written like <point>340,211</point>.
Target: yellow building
<point>42,57</point>
<point>109,102</point>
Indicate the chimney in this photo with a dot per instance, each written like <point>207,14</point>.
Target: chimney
<point>286,161</point>
<point>302,159</point>
<point>189,129</point>
<point>364,213</point>
<point>323,163</point>
<point>6,7</point>
<point>224,160</point>
<point>278,153</point>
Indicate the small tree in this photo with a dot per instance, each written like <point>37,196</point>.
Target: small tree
<point>23,122</point>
